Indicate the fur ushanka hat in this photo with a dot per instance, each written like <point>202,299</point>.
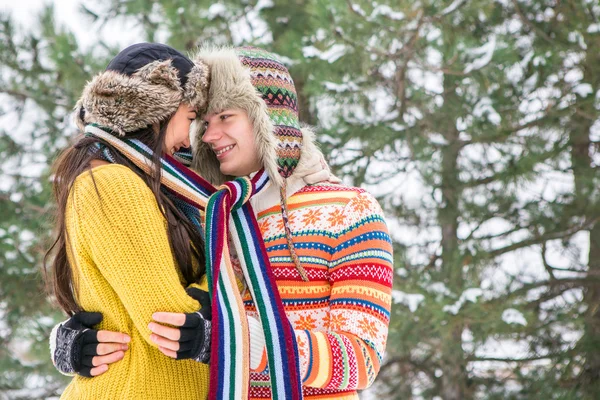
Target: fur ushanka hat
<point>257,82</point>
<point>144,84</point>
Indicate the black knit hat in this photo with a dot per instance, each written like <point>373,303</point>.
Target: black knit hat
<point>144,84</point>
<point>134,57</point>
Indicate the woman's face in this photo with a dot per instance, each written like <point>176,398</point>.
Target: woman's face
<point>178,129</point>
<point>230,135</point>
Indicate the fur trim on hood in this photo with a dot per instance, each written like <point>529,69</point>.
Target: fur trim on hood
<point>312,167</point>
<point>126,103</point>
<point>255,81</point>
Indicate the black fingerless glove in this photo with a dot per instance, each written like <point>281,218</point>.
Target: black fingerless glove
<point>194,339</point>
<point>74,344</point>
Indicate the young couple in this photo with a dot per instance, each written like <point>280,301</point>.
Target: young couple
<point>252,274</point>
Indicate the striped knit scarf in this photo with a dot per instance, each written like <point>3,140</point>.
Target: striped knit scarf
<point>228,214</point>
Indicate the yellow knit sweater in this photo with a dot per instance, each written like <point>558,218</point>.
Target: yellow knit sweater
<point>124,268</point>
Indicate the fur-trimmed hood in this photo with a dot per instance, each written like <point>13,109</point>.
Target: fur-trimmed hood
<point>126,102</point>
<point>256,81</point>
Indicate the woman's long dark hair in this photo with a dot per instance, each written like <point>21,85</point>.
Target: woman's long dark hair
<point>75,160</point>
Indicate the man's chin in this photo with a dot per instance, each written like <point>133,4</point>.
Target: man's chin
<point>234,172</point>
<point>228,171</point>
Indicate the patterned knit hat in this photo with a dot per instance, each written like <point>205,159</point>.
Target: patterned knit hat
<point>272,79</point>
<point>144,84</point>
<point>254,80</point>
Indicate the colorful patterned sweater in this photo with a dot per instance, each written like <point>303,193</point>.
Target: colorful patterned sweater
<point>124,268</point>
<point>341,315</point>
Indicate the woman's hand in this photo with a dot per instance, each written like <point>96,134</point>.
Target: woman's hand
<point>78,348</point>
<point>191,337</point>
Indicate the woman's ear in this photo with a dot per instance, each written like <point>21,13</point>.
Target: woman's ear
<point>79,116</point>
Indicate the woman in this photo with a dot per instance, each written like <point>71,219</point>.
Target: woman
<point>127,245</point>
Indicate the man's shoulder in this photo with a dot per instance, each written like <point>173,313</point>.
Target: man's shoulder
<point>334,189</point>
<point>335,197</point>
<point>337,193</point>
<point>335,207</point>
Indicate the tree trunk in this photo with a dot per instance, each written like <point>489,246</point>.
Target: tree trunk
<point>454,376</point>
<point>586,177</point>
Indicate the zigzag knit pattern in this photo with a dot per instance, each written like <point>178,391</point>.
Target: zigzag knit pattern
<point>341,315</point>
<point>272,79</point>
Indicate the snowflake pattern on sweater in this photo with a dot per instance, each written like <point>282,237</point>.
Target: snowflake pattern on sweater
<point>341,315</point>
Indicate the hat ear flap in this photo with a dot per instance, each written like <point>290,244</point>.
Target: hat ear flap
<point>196,88</point>
<point>79,115</point>
<point>161,73</point>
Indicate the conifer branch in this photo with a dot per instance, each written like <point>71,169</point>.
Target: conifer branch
<point>542,238</point>
<point>530,24</point>
<point>536,357</point>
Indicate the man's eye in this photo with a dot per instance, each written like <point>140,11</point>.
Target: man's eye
<point>224,117</point>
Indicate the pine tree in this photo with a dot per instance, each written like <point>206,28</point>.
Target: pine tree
<point>474,121</point>
<point>567,37</point>
<point>452,97</point>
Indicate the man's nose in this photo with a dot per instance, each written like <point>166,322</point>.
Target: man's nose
<point>211,134</point>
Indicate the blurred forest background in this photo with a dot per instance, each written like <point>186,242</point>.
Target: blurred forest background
<point>475,122</point>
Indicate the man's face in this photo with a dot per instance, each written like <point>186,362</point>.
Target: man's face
<point>231,136</point>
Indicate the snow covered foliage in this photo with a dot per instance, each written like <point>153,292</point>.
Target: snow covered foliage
<point>476,123</point>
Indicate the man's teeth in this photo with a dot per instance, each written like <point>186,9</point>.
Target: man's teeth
<point>223,150</point>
